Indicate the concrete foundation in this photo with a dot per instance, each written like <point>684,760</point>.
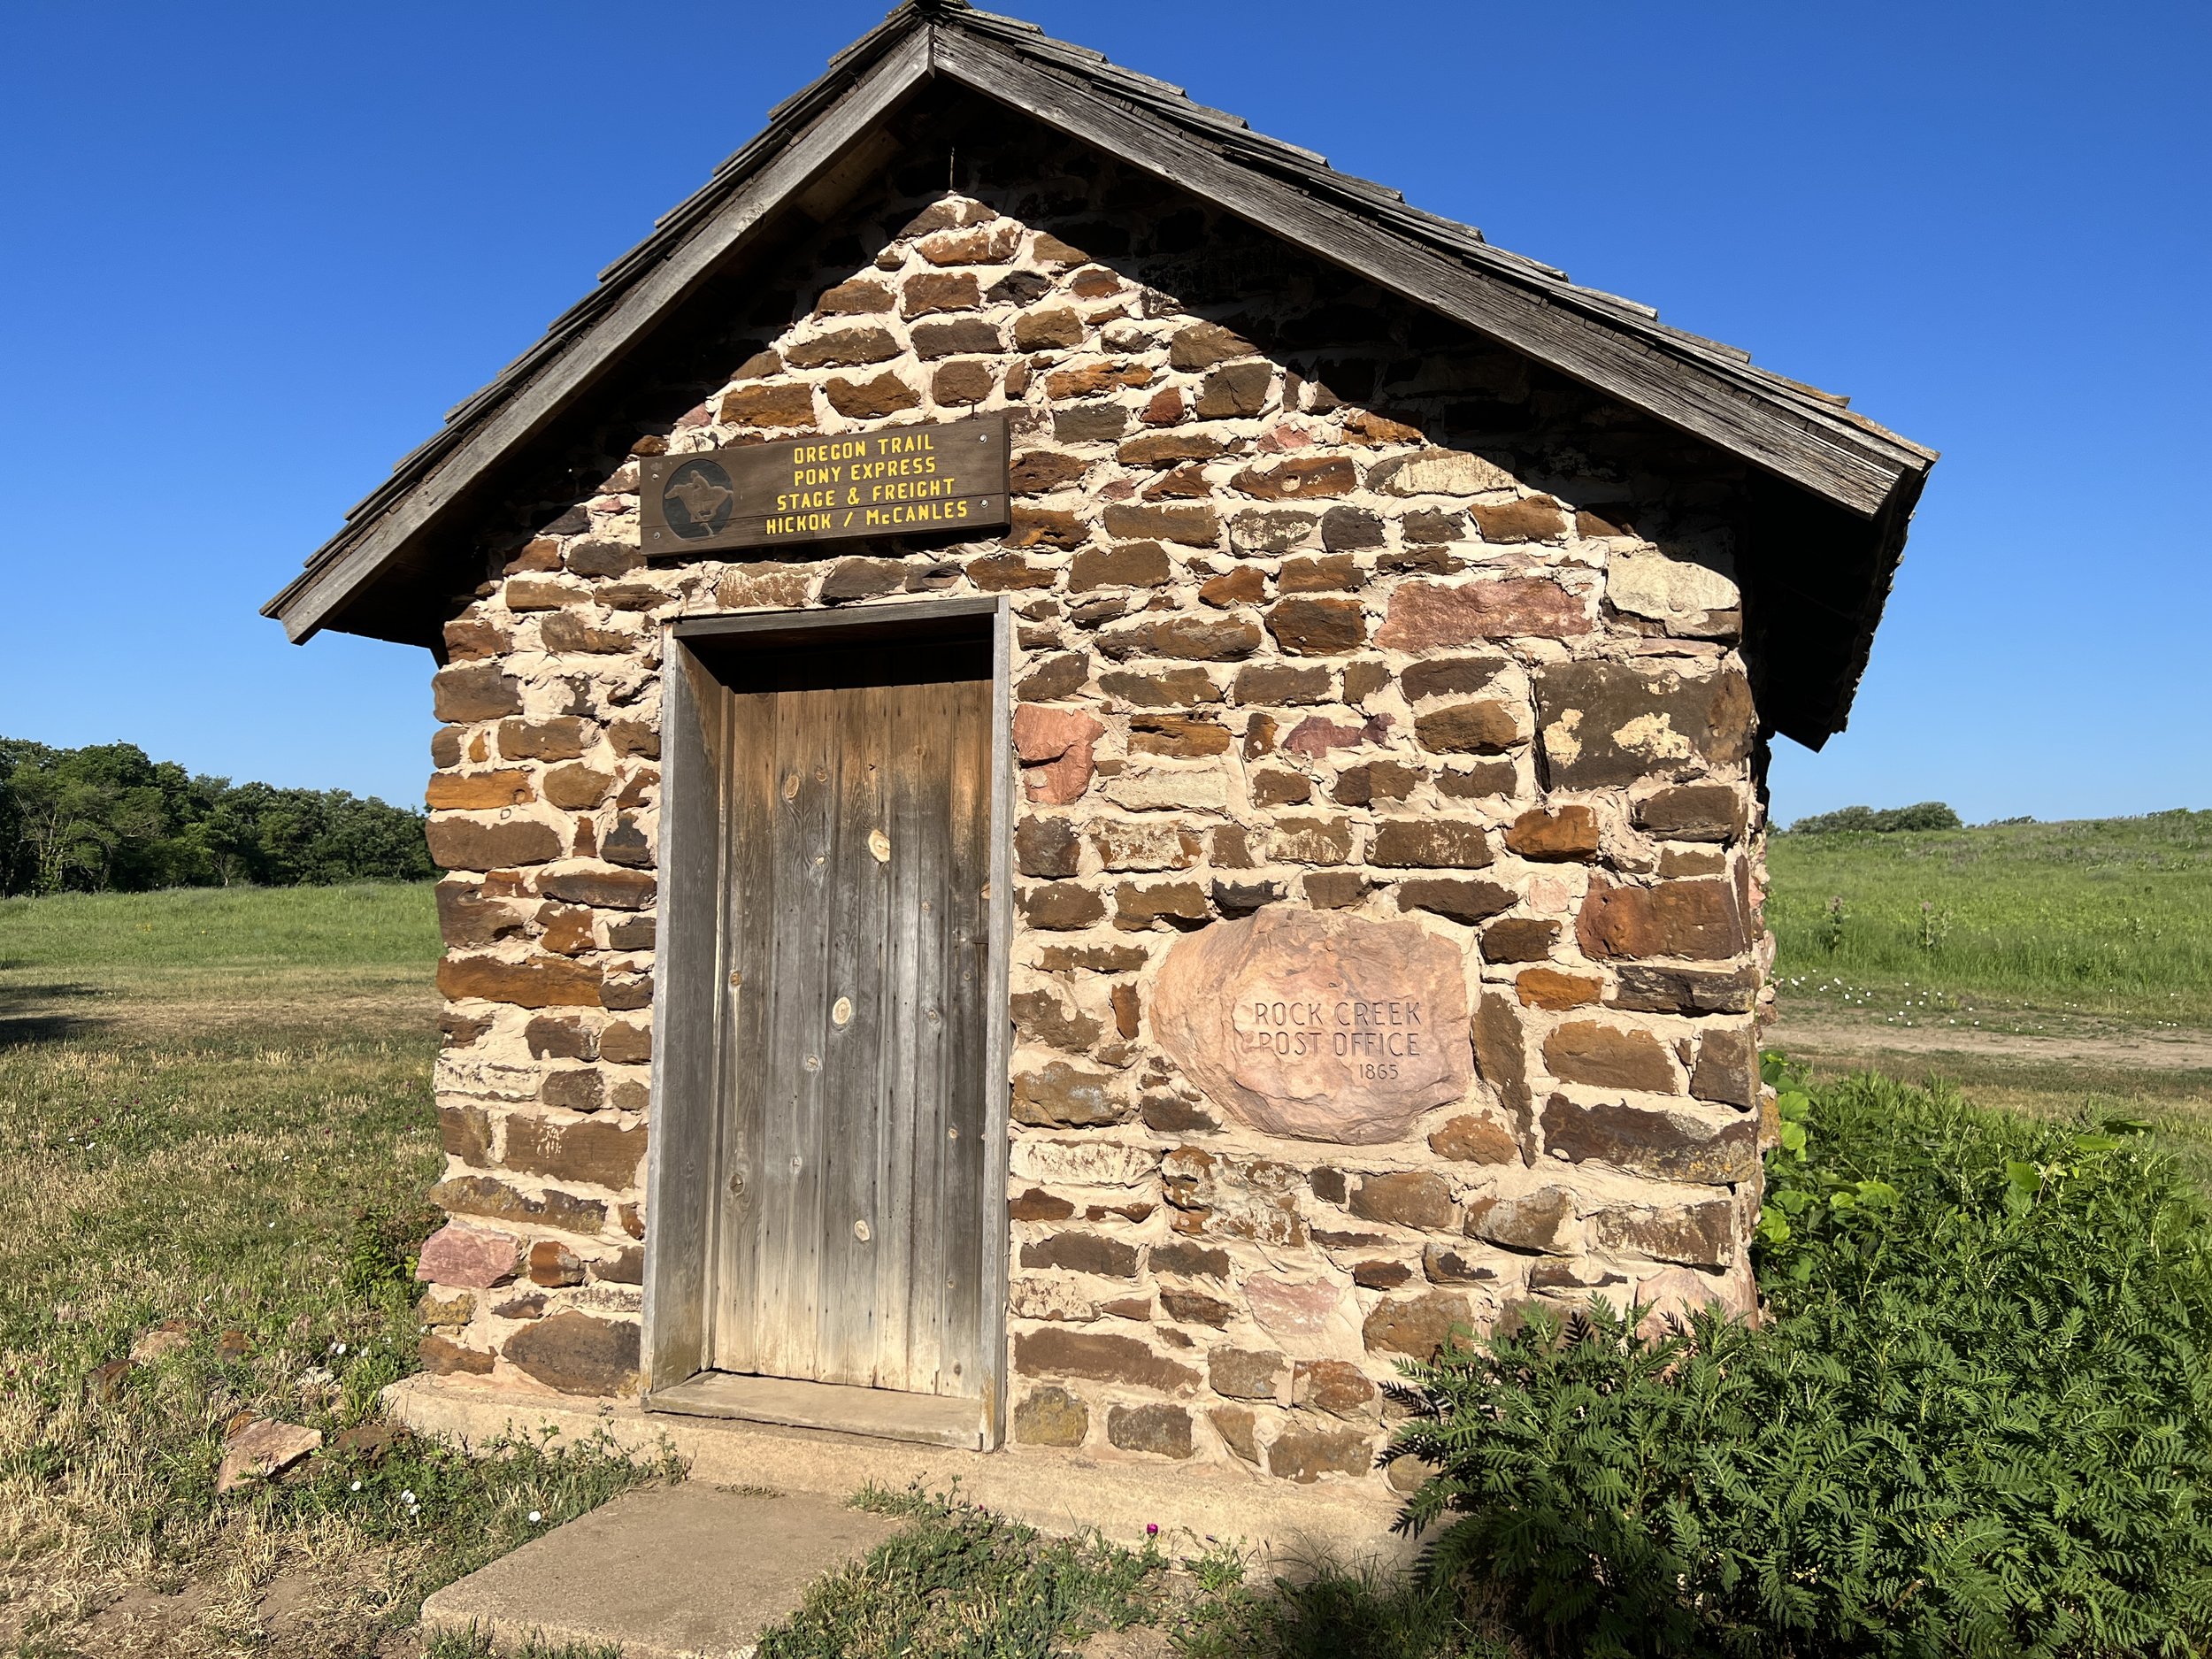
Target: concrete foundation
<point>1057,1492</point>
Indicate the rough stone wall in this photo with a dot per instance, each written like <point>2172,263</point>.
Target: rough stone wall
<point>1321,605</point>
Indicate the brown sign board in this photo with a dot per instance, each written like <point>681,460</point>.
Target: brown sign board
<point>900,480</point>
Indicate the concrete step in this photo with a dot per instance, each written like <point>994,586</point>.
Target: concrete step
<point>1065,1492</point>
<point>689,1571</point>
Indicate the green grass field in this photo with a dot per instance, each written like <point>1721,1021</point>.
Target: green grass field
<point>2110,917</point>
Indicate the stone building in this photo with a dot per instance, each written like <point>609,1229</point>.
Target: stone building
<point>1286,885</point>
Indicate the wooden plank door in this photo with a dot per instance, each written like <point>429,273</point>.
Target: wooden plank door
<point>850,1225</point>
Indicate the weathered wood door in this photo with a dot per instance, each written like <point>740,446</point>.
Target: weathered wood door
<point>856,872</point>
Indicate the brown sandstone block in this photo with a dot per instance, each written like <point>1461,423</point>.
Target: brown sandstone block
<point>1416,1326</point>
<point>1470,1139</point>
<point>1039,471</point>
<point>561,738</point>
<point>1549,988</point>
<point>885,393</point>
<point>576,1353</point>
<point>843,348</point>
<point>1209,639</point>
<point>1057,326</point>
<point>483,1195</point>
<point>1060,906</point>
<point>1542,1220</point>
<point>1002,573</point>
<point>1450,676</point>
<point>1519,939</point>
<point>1303,1453</point>
<point>535,982</point>
<point>1161,1430</point>
<point>1089,380</point>
<point>1333,573</point>
<point>1318,627</point>
<point>1160,689</point>
<point>769,406</point>
<point>1425,616</point>
<point>1245,1373</point>
<point>1336,1386</point>
<point>1102,1357</point>
<point>1082,1253</point>
<point>1698,919</point>
<point>1535,519</point>
<point>1235,390</point>
<point>962,383</point>
<point>1694,812</point>
<point>1609,1056</point>
<point>1608,724</point>
<point>1054,677</point>
<point>469,639</point>
<point>1202,345</point>
<point>860,297</point>
<point>1675,1143</point>
<point>1051,1417</point>
<point>1126,565</point>
<point>442,1356</point>
<point>1501,1057</point>
<point>474,691</point>
<point>1300,477</point>
<point>598,1152</point>
<point>459,843</point>
<point>625,1043</point>
<point>1727,1069</point>
<point>1412,1198</point>
<point>1138,908</point>
<point>1562,832</point>
<point>1701,1235</point>
<point>477,791</point>
<point>1063,1096</point>
<point>1190,526</point>
<point>1486,726</point>
<point>1186,736</point>
<point>1046,846</point>
<point>1169,449</point>
<point>1246,584</point>
<point>928,291</point>
<point>1402,843</point>
<point>466,1133</point>
<point>1465,902</point>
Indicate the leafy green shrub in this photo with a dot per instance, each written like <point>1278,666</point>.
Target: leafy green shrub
<point>1979,1421</point>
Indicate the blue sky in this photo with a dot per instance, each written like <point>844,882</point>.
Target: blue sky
<point>255,251</point>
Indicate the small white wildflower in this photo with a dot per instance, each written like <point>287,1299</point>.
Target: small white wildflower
<point>407,1497</point>
<point>535,1517</point>
<point>354,1488</point>
<point>341,1347</point>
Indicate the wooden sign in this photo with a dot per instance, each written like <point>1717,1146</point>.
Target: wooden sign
<point>902,480</point>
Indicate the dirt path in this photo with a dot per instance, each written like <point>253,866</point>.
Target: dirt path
<point>2149,1051</point>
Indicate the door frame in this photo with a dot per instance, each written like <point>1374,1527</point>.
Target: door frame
<point>684,1150</point>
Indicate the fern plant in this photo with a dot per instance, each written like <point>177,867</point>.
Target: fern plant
<point>1978,1421</point>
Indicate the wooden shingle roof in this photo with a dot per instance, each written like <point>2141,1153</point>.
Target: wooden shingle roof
<point>1838,489</point>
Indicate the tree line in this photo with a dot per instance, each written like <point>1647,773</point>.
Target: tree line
<point>106,819</point>
<point>1926,815</point>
